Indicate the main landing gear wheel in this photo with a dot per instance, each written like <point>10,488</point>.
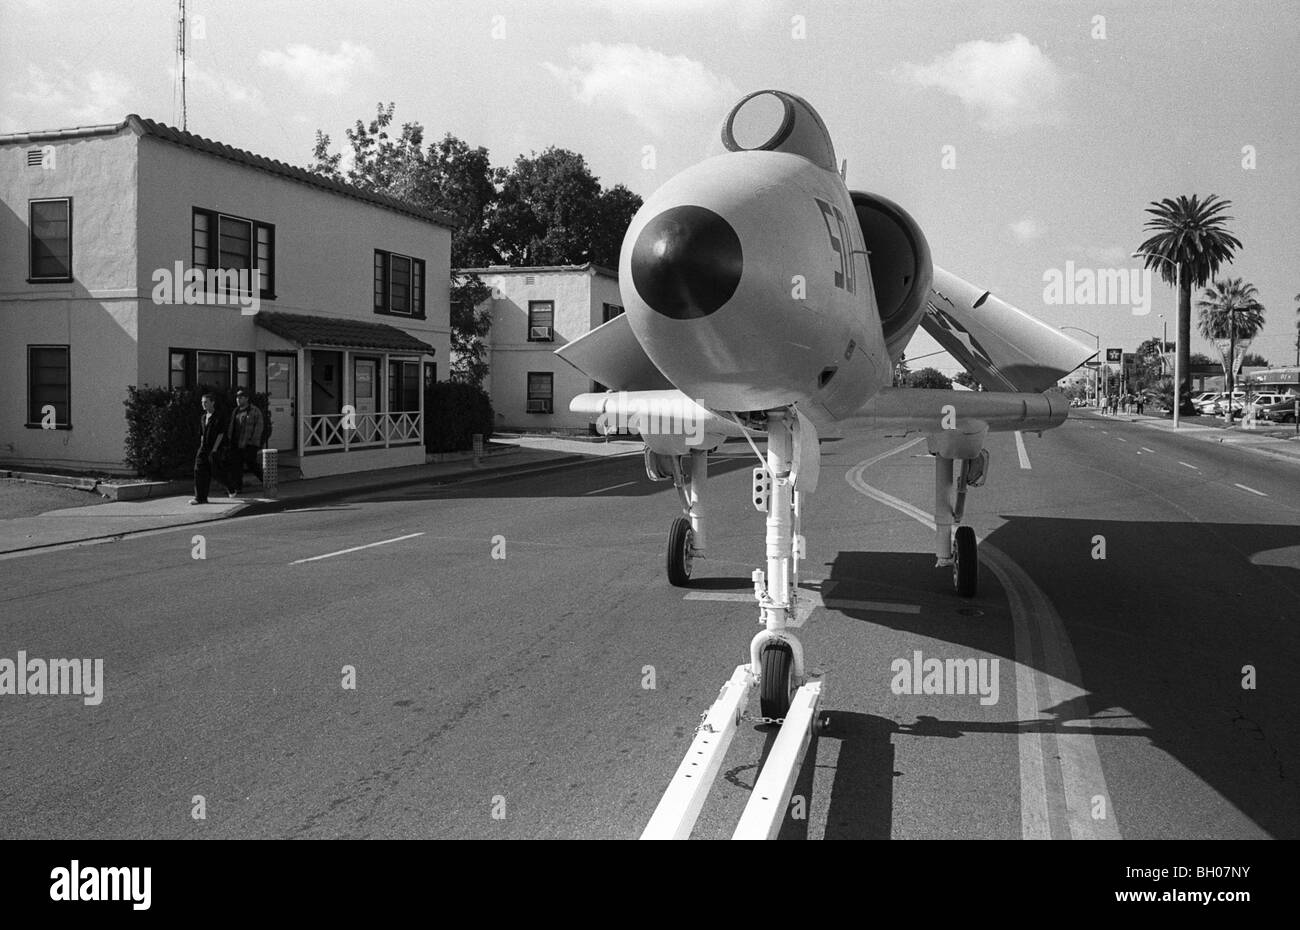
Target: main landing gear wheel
<point>776,668</point>
<point>965,562</point>
<point>681,540</point>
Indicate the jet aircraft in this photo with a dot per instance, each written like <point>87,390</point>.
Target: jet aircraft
<point>766,300</point>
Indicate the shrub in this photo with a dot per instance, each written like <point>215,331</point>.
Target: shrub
<point>162,427</point>
<point>453,413</point>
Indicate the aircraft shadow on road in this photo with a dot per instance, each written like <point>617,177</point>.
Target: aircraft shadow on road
<point>1165,629</point>
<point>862,791</point>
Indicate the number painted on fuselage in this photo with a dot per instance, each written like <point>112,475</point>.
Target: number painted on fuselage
<point>838,230</point>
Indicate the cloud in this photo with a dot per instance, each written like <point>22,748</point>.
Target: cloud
<point>1007,84</point>
<point>249,99</point>
<point>653,87</point>
<point>1027,230</point>
<point>315,70</point>
<point>74,97</point>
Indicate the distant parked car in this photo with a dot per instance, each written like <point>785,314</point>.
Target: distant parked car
<point>1281,412</point>
<point>1223,403</point>
<point>1207,403</point>
<point>1261,400</point>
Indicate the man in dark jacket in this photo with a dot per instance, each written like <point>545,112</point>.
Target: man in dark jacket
<point>212,437</point>
<point>245,437</point>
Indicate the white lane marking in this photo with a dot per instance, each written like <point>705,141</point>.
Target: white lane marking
<point>1121,439</point>
<point>1022,451</point>
<point>330,555</point>
<point>1073,747</point>
<point>613,487</point>
<point>1145,449</point>
<point>1252,490</point>
<point>1192,467</point>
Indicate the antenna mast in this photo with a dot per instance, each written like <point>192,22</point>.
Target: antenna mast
<point>180,50</point>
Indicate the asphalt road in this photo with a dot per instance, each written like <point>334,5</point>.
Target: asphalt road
<point>509,697</point>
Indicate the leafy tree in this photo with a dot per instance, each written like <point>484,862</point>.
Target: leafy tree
<point>551,211</point>
<point>930,378</point>
<point>1200,358</point>
<point>448,177</point>
<point>1252,360</point>
<point>966,379</point>
<point>1188,244</point>
<point>470,322</point>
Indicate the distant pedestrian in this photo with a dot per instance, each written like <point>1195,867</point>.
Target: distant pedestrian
<point>1141,401</point>
<point>245,435</point>
<point>212,436</point>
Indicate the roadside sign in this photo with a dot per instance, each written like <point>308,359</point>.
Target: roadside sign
<point>1114,355</point>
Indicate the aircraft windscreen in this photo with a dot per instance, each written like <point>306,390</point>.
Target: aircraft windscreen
<point>775,121</point>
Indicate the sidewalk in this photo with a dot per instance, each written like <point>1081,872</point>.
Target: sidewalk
<point>1277,440</point>
<point>120,518</point>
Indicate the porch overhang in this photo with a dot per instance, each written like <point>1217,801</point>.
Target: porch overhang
<point>319,332</point>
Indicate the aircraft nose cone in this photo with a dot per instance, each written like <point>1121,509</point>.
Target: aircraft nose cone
<point>687,262</point>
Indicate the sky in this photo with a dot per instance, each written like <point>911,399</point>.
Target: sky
<point>1021,136</point>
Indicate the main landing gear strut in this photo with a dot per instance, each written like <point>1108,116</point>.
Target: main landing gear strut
<point>955,544</point>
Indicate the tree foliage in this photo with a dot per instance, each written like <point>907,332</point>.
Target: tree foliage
<point>966,379</point>
<point>1188,243</point>
<point>470,322</point>
<point>930,378</point>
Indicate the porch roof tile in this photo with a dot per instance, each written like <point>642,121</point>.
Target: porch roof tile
<point>307,331</point>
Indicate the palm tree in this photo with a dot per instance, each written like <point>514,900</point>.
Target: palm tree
<point>1188,246</point>
<point>1230,310</point>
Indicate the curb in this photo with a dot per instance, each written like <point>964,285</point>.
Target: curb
<point>483,474</point>
<point>258,507</point>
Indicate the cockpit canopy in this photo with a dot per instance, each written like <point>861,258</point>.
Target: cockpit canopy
<point>776,121</point>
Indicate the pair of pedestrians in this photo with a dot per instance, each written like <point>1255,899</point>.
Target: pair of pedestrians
<point>227,447</point>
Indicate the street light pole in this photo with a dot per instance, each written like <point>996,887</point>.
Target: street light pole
<point>1096,372</point>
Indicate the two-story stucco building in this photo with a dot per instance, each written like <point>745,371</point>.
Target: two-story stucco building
<point>535,310</point>
<point>138,254</point>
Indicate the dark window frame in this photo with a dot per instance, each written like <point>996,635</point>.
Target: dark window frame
<point>397,383</point>
<point>530,399</point>
<point>190,371</point>
<point>32,277</point>
<point>532,310</point>
<point>417,285</point>
<point>606,315</point>
<point>256,228</point>
<point>36,423</point>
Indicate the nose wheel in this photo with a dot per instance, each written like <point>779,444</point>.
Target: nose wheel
<point>681,542</point>
<point>965,562</point>
<point>776,681</point>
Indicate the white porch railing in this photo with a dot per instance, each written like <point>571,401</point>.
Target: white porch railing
<point>327,431</point>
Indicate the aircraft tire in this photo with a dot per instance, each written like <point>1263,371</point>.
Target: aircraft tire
<point>965,566</point>
<point>776,684</point>
<point>680,540</point>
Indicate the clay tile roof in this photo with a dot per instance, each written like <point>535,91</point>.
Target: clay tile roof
<point>305,330</point>
<point>157,130</point>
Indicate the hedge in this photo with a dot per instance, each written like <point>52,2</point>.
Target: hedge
<point>453,413</point>
<point>162,427</point>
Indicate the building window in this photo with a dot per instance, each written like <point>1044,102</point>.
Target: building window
<point>541,321</point>
<point>209,369</point>
<point>403,386</point>
<point>610,311</point>
<point>231,243</point>
<point>399,284</point>
<point>50,241</point>
<point>49,385</point>
<point>541,392</point>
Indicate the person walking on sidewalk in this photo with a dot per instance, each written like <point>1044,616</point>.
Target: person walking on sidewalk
<point>246,425</point>
<point>212,435</point>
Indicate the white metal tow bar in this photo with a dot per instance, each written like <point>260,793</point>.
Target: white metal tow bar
<point>680,806</point>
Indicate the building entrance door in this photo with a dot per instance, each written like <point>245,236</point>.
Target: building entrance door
<point>282,400</point>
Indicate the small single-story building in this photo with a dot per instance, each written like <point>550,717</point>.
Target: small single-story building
<point>139,254</point>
